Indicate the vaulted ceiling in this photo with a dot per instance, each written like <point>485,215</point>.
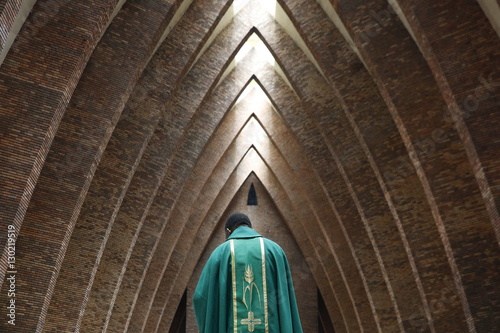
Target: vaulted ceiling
<point>128,126</point>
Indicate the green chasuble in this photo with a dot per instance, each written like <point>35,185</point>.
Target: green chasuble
<point>246,286</point>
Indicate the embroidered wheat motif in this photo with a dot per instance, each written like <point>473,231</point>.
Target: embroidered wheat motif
<point>249,278</point>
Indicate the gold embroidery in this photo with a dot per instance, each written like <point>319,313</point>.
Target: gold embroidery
<point>233,271</point>
<point>248,274</point>
<point>249,287</point>
<point>249,277</point>
<point>251,321</point>
<point>264,283</point>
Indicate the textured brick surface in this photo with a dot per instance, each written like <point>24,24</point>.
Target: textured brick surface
<point>296,116</point>
<point>161,149</point>
<point>470,84</point>
<point>361,241</point>
<point>82,135</point>
<point>34,94</point>
<point>116,250</point>
<point>57,78</point>
<point>194,140</point>
<point>8,12</point>
<point>173,270</point>
<point>377,133</point>
<point>126,148</point>
<point>234,119</point>
<point>383,167</point>
<point>420,114</point>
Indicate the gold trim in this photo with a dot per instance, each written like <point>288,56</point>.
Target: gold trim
<point>233,272</point>
<point>264,282</point>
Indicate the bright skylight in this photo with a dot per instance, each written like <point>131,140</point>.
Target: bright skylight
<point>238,5</point>
<point>269,5</point>
<point>252,85</point>
<point>255,42</point>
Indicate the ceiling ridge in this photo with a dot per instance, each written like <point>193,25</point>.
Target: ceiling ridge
<point>254,152</point>
<point>247,151</point>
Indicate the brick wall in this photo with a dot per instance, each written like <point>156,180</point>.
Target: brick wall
<point>379,165</point>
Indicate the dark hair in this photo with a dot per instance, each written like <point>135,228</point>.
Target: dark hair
<point>237,220</point>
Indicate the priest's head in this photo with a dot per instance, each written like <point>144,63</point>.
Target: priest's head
<point>235,221</point>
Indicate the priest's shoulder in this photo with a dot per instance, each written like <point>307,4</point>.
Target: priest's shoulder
<point>223,250</point>
<point>273,246</point>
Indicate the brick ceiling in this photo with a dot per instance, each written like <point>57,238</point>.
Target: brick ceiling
<point>127,127</point>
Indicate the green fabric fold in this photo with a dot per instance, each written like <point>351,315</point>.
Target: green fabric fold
<point>261,275</point>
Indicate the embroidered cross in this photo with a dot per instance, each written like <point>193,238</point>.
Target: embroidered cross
<point>251,321</point>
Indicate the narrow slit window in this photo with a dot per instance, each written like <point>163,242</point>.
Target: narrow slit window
<point>252,196</point>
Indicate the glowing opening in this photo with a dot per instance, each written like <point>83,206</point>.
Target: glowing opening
<point>238,5</point>
<point>270,6</point>
<point>252,85</point>
<point>254,42</point>
<point>259,99</point>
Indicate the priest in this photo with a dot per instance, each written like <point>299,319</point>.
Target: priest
<point>246,285</point>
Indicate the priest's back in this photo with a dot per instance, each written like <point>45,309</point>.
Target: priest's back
<point>246,286</point>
